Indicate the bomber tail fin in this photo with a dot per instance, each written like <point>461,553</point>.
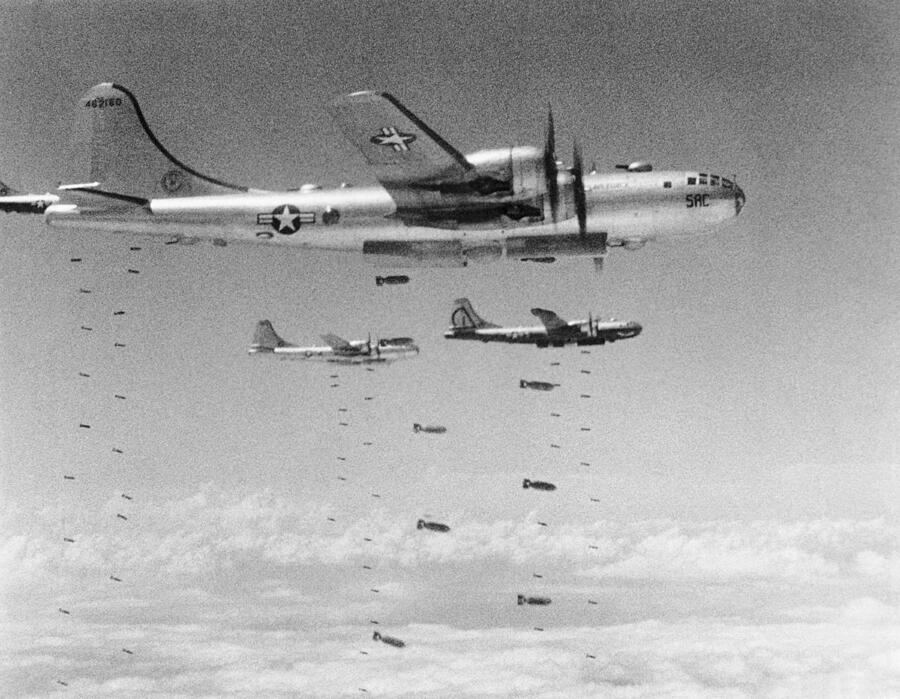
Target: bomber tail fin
<point>265,339</point>
<point>6,190</point>
<point>464,316</point>
<point>118,156</point>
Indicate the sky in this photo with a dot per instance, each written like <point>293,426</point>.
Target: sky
<point>736,530</point>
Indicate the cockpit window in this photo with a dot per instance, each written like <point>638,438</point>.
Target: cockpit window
<point>692,180</point>
<point>726,183</point>
<point>702,178</point>
<point>714,180</point>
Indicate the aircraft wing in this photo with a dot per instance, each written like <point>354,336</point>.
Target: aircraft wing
<point>551,321</point>
<point>394,141</point>
<point>410,159</point>
<point>340,345</point>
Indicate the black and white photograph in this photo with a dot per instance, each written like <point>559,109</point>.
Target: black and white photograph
<point>424,349</point>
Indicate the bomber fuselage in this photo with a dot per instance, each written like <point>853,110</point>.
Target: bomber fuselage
<point>376,355</point>
<point>581,332</point>
<point>623,209</point>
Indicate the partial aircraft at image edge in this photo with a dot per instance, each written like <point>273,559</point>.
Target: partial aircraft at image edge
<point>435,206</point>
<point>14,201</point>
<point>338,350</point>
<point>554,331</point>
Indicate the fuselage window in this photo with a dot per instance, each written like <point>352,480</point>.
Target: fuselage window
<point>692,180</point>
<point>667,185</point>
<point>702,179</point>
<point>714,180</point>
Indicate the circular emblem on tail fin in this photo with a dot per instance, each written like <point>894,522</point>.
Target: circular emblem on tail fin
<point>172,181</point>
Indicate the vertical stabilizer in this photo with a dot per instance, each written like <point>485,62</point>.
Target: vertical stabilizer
<point>6,190</point>
<point>464,316</point>
<point>265,339</point>
<point>115,148</point>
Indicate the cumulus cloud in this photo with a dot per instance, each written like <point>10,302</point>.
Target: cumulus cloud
<point>697,657</point>
<point>216,530</point>
<point>254,593</point>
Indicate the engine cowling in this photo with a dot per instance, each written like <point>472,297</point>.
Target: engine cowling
<point>520,166</point>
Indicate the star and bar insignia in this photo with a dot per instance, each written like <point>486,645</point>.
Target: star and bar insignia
<point>391,136</point>
<point>286,219</point>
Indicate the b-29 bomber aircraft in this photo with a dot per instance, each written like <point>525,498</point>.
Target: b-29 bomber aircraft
<point>435,206</point>
<point>338,350</point>
<point>556,332</point>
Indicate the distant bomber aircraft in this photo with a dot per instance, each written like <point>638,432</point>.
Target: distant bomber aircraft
<point>340,351</point>
<point>468,325</point>
<point>435,206</point>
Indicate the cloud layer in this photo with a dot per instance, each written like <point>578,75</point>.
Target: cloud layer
<point>256,593</point>
<point>215,529</point>
<point>853,653</point>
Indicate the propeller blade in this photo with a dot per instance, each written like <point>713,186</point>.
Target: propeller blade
<point>590,324</point>
<point>551,169</point>
<point>578,190</point>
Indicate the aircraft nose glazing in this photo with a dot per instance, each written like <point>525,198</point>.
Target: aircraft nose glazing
<point>739,200</point>
<point>633,329</point>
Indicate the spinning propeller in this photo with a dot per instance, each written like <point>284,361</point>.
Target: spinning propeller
<point>551,169</point>
<point>551,177</point>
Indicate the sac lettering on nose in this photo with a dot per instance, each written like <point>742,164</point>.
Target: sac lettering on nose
<point>696,200</point>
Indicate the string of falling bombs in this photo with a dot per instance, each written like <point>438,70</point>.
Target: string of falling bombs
<point>586,460</point>
<point>70,478</point>
<point>542,487</point>
<point>345,421</point>
<point>348,420</point>
<point>546,486</point>
<point>423,524</point>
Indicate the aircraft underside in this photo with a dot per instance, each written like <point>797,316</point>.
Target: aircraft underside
<point>389,242</point>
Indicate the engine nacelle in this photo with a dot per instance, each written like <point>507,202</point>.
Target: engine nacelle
<point>520,166</point>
